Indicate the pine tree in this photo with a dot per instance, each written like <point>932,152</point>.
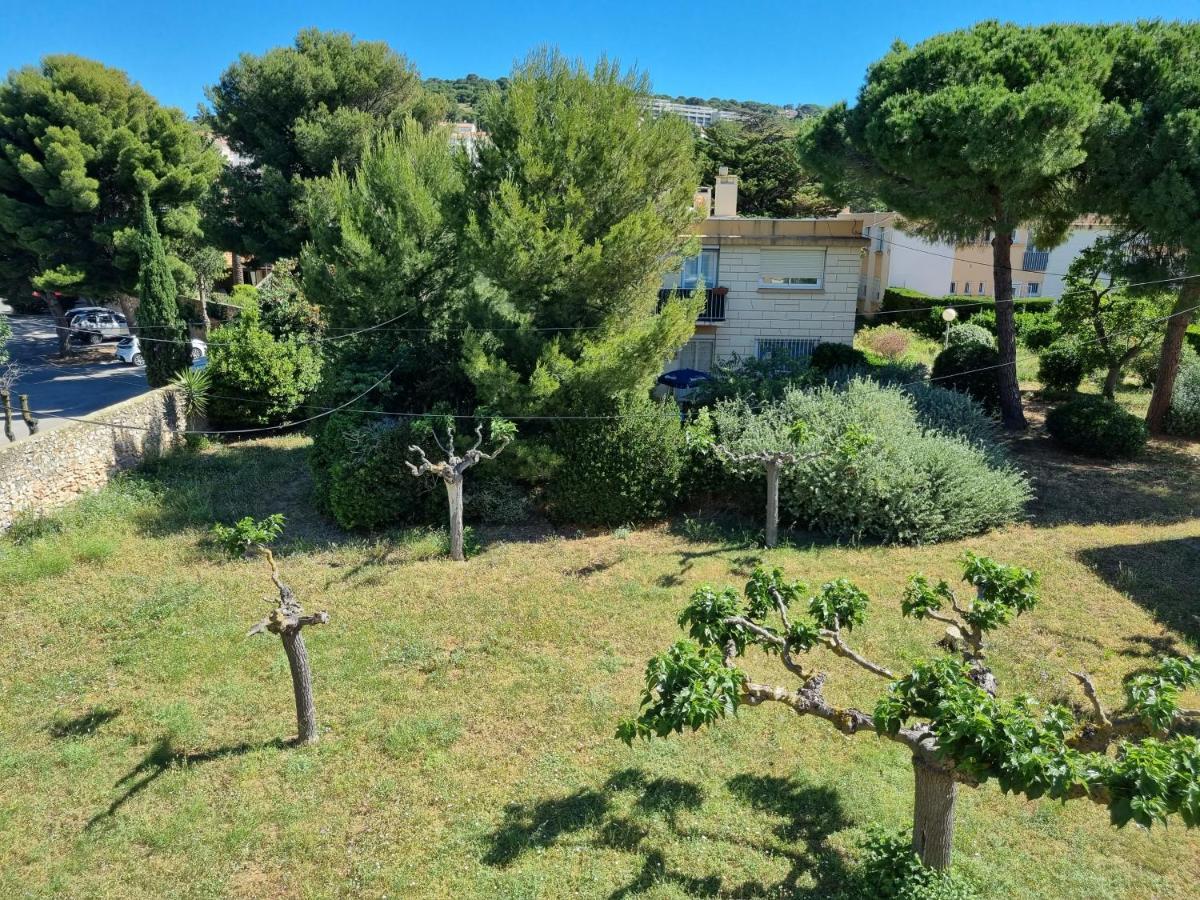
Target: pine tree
<point>161,332</point>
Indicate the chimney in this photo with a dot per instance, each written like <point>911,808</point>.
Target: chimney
<point>725,195</point>
<point>703,201</point>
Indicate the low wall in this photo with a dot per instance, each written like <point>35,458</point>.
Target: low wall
<point>49,469</point>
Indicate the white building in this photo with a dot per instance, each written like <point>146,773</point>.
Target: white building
<point>700,116</point>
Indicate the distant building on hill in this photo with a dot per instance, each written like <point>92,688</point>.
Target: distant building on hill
<point>700,116</point>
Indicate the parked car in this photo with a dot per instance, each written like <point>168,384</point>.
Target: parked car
<point>94,327</point>
<point>129,350</point>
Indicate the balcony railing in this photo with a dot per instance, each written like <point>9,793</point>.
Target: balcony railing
<point>714,303</point>
<point>1036,260</point>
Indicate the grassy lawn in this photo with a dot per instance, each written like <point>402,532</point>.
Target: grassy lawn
<point>467,710</point>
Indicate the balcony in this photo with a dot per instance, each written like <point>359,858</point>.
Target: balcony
<point>714,302</point>
<point>1036,260</point>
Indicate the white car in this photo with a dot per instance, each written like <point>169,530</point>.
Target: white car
<point>129,350</point>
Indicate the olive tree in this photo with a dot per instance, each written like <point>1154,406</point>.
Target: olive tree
<point>945,713</point>
<point>286,619</point>
<point>453,471</point>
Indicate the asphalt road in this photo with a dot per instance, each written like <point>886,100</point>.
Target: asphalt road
<point>73,387</point>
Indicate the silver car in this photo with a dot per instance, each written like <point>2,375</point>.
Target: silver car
<point>129,350</point>
<point>94,327</point>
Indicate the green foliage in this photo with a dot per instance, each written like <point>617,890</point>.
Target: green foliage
<point>291,115</point>
<point>162,334</point>
<point>753,378</point>
<point>1064,364</point>
<point>258,379</point>
<point>743,429</point>
<point>578,206</point>
<point>1183,418</point>
<point>839,603</point>
<point>686,687</point>
<point>5,335</point>
<point>828,356</point>
<point>244,534</point>
<point>970,365</point>
<point>969,334</point>
<point>359,476</point>
<point>194,386</point>
<point>466,95</point>
<point>889,341</point>
<point>80,144</point>
<point>385,246</point>
<point>1002,592</point>
<point>772,181</point>
<point>1037,331</point>
<point>495,501</point>
<point>882,475</point>
<point>1155,695</point>
<point>620,470</point>
<point>954,414</point>
<point>1097,426</point>
<point>283,307</point>
<point>892,871</point>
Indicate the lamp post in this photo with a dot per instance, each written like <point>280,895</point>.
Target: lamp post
<point>949,314</point>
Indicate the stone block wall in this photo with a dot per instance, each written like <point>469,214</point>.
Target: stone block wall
<point>52,468</point>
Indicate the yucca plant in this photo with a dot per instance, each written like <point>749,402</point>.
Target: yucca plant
<point>193,386</point>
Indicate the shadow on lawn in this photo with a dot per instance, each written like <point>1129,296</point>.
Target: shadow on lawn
<point>622,813</point>
<point>162,758</point>
<point>1159,488</point>
<point>85,723</point>
<point>1161,576</point>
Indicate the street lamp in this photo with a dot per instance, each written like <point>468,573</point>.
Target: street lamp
<point>949,314</point>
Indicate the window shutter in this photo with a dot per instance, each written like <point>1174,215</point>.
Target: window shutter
<point>792,268</point>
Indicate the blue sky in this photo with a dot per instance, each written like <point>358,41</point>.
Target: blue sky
<point>778,52</point>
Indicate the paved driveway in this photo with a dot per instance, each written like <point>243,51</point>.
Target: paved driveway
<point>73,388</point>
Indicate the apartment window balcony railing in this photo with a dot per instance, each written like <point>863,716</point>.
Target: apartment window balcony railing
<point>714,302</point>
<point>1036,260</point>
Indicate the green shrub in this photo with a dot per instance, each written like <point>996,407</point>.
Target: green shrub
<point>888,341</point>
<point>1183,418</point>
<point>892,871</point>
<point>827,356</point>
<point>970,365</point>
<point>881,475</point>
<point>258,379</point>
<point>621,470</point>
<point>1037,331</point>
<point>360,478</point>
<point>495,501</point>
<point>1064,364</point>
<point>953,413</point>
<point>1096,426</point>
<point>749,376</point>
<point>985,318</point>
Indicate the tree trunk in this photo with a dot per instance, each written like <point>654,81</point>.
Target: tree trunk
<point>1168,362</point>
<point>205,324</point>
<point>1011,413</point>
<point>454,493</point>
<point>129,305</point>
<point>30,422</point>
<point>60,321</point>
<point>1111,379</point>
<point>933,814</point>
<point>306,711</point>
<point>8,429</point>
<point>235,264</point>
<point>772,503</point>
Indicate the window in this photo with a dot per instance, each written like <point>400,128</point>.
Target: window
<point>696,269</point>
<point>1034,289</point>
<point>793,347</point>
<point>698,354</point>
<point>967,288</point>
<point>981,287</point>
<point>791,270</point>
<point>953,285</point>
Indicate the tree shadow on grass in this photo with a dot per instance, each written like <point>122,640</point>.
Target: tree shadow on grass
<point>163,758</point>
<point>1160,576</point>
<point>619,816</point>
<point>84,723</point>
<point>1161,487</point>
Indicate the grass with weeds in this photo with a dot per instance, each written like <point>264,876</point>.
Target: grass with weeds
<point>467,711</point>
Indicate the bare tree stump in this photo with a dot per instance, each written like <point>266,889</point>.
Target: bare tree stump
<point>27,415</point>
<point>287,620</point>
<point>7,404</point>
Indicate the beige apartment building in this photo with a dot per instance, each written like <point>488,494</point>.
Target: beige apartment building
<point>771,285</point>
<point>895,258</point>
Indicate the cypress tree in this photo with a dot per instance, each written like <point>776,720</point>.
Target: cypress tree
<point>161,332</point>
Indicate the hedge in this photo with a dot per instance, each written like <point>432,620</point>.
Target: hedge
<point>922,312</point>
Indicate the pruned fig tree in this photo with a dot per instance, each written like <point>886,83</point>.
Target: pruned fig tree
<point>1140,763</point>
<point>286,620</point>
<point>747,439</point>
<point>453,470</point>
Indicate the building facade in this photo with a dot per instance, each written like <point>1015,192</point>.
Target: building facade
<point>771,285</point>
<point>700,116</point>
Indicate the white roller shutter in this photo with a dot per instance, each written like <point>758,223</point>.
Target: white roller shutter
<point>791,269</point>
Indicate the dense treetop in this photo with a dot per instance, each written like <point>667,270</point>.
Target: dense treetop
<point>79,146</point>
